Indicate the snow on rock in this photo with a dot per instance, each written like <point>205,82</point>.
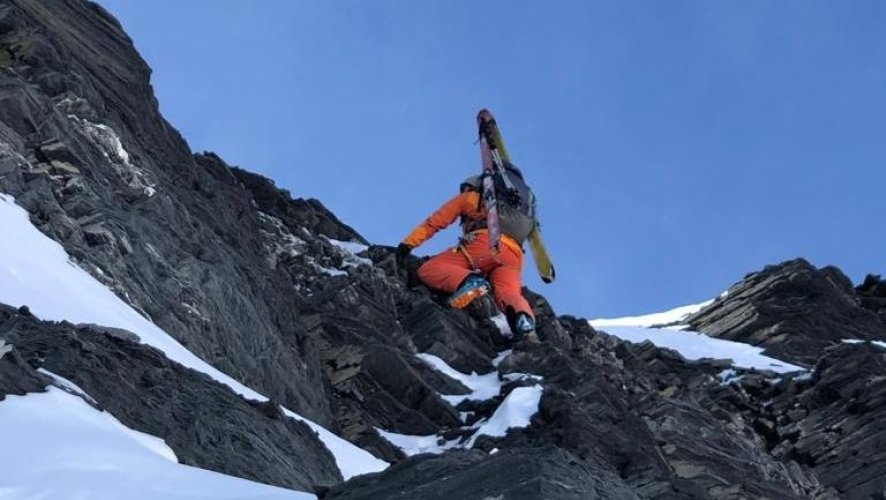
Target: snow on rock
<point>482,387</point>
<point>106,138</point>
<point>878,343</point>
<point>66,385</point>
<point>691,345</point>
<point>416,445</point>
<point>111,146</point>
<point>57,446</point>
<point>501,357</point>
<point>349,246</point>
<point>35,271</point>
<point>349,250</point>
<point>514,412</point>
<point>330,271</point>
<point>648,320</point>
<point>502,323</point>
<point>351,460</point>
<point>279,241</point>
<point>4,348</point>
<point>694,346</point>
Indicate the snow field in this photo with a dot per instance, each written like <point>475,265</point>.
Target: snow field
<point>57,446</point>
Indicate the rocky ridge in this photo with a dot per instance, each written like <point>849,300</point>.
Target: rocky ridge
<point>280,294</point>
<point>793,310</point>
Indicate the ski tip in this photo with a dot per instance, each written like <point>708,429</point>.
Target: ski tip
<point>485,115</point>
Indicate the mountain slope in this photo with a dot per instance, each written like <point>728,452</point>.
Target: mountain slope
<point>222,307</point>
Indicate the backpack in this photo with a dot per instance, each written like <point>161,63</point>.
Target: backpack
<point>516,202</point>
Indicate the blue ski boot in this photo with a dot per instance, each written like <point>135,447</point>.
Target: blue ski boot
<point>474,286</point>
<point>524,331</point>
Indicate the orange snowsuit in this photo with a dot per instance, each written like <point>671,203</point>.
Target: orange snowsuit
<point>449,269</point>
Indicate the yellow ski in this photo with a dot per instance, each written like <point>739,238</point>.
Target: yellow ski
<point>536,245</point>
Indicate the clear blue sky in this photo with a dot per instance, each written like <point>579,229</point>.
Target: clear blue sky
<point>674,146</point>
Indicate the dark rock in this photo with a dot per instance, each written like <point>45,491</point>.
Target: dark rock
<point>835,424</point>
<point>310,214</point>
<point>872,294</point>
<point>17,377</point>
<point>793,310</point>
<point>451,335</point>
<point>519,474</point>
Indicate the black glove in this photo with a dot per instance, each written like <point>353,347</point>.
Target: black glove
<point>403,251</point>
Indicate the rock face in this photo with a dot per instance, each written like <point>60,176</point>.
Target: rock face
<point>829,423</point>
<point>872,294</point>
<point>84,149</point>
<point>795,311</point>
<point>280,294</point>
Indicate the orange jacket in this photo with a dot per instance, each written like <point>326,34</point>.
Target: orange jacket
<point>467,205</point>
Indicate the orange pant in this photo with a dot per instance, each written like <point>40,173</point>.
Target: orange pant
<point>447,270</point>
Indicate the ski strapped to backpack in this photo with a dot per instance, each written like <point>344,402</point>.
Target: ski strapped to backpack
<point>510,204</point>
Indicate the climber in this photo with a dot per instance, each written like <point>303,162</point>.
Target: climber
<point>463,269</point>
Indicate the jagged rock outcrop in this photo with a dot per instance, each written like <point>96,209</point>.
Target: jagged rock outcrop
<point>793,310</point>
<point>872,293</point>
<point>17,378</point>
<point>309,214</point>
<point>829,421</point>
<point>546,472</point>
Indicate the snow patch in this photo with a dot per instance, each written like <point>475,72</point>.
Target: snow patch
<point>515,411</point>
<point>4,348</point>
<point>57,446</point>
<point>517,376</point>
<point>416,445</point>
<point>349,246</point>
<point>502,323</point>
<point>691,345</point>
<point>37,272</point>
<point>109,143</point>
<point>673,316</point>
<point>694,346</point>
<point>331,272</point>
<point>482,387</point>
<point>728,376</point>
<point>878,343</point>
<point>351,460</point>
<point>66,385</point>
<point>501,357</point>
<point>349,250</point>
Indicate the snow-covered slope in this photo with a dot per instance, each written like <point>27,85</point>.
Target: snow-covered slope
<point>57,446</point>
<point>36,271</point>
<point>692,345</point>
<point>673,316</point>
